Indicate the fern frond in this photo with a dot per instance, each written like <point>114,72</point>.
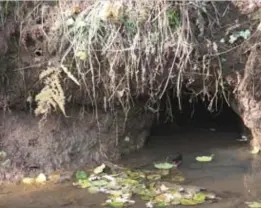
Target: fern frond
<point>52,95</point>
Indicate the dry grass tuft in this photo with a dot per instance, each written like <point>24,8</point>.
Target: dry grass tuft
<point>121,50</point>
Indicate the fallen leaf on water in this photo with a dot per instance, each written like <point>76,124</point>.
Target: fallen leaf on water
<point>189,202</point>
<point>99,169</point>
<point>199,197</point>
<point>116,204</point>
<point>100,183</point>
<point>41,178</point>
<point>93,190</point>
<point>81,175</point>
<point>161,204</point>
<point>204,158</point>
<point>154,177</point>
<point>163,165</point>
<point>129,181</point>
<point>253,204</point>
<point>177,178</point>
<point>83,183</point>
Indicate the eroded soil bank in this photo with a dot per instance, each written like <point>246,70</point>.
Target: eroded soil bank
<point>67,143</point>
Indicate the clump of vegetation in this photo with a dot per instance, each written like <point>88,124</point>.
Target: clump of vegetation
<point>152,186</point>
<point>117,50</point>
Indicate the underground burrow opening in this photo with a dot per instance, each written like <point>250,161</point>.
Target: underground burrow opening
<point>194,116</point>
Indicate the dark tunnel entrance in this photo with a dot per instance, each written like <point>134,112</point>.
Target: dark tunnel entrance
<point>195,116</point>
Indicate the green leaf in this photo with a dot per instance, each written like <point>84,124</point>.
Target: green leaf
<point>99,183</point>
<point>204,158</point>
<point>84,183</point>
<point>199,197</point>
<point>253,204</point>
<point>99,169</point>
<point>116,204</point>
<point>129,181</point>
<point>163,165</point>
<point>160,204</point>
<point>135,174</point>
<point>188,202</point>
<point>81,175</point>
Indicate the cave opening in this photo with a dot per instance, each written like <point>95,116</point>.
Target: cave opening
<point>195,115</point>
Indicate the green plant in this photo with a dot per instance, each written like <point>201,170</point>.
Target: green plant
<point>173,18</point>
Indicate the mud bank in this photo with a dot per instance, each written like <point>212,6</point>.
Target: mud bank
<point>68,143</point>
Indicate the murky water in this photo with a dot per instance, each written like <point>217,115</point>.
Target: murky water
<point>234,173</point>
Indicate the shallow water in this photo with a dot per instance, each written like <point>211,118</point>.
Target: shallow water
<point>234,173</point>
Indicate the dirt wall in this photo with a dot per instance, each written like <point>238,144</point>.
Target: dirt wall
<point>68,143</point>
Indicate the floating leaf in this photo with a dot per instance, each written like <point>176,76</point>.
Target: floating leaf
<point>129,181</point>
<point>163,165</point>
<point>99,169</point>
<point>81,175</point>
<point>116,204</point>
<point>161,204</point>
<point>141,190</point>
<point>163,188</point>
<point>93,190</point>
<point>84,183</point>
<point>146,198</point>
<point>136,175</point>
<point>188,202</point>
<point>100,183</point>
<point>154,177</point>
<point>253,204</point>
<point>204,158</point>
<point>200,197</point>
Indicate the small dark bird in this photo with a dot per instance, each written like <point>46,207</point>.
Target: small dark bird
<point>177,159</point>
